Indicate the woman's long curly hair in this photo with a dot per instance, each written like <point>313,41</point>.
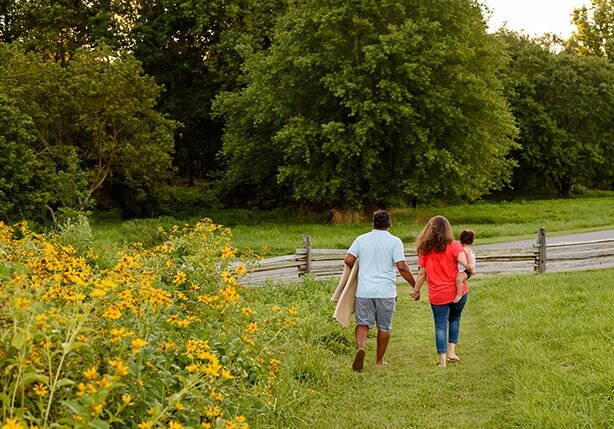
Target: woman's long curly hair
<point>435,236</point>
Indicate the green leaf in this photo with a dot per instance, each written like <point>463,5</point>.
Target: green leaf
<point>32,377</point>
<point>64,382</point>
<point>18,340</point>
<point>72,346</point>
<point>76,407</point>
<point>98,424</point>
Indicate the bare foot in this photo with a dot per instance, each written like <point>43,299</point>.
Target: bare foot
<point>359,360</point>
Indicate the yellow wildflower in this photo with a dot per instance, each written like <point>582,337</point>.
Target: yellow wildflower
<point>179,278</point>
<point>22,303</point>
<point>40,389</point>
<point>145,425</point>
<point>276,309</point>
<point>41,321</point>
<point>248,311</point>
<point>212,412</point>
<point>12,424</point>
<point>293,311</point>
<point>120,367</point>
<point>213,369</point>
<point>127,400</point>
<point>112,313</point>
<point>241,270</point>
<point>138,344</point>
<point>251,328</point>
<point>215,395</point>
<point>228,252</point>
<point>104,382</point>
<point>98,293</point>
<point>174,425</point>
<point>193,368</point>
<point>91,373</point>
<point>95,409</point>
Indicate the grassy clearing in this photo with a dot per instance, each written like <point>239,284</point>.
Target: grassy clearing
<point>536,352</point>
<point>278,232</point>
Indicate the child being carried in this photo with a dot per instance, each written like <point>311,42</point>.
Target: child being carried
<point>466,238</point>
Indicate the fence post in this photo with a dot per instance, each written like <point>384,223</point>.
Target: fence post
<point>541,243</point>
<point>307,246</point>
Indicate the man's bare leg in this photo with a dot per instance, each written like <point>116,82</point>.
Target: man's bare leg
<point>382,345</point>
<point>361,338</point>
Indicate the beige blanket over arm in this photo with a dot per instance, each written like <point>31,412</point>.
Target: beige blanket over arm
<point>345,295</point>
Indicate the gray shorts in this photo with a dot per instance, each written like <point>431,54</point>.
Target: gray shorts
<point>370,311</point>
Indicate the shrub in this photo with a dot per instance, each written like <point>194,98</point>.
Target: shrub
<point>161,339</point>
<point>76,232</point>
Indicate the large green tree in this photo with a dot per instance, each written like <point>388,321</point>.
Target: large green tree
<point>23,192</point>
<point>89,123</point>
<point>594,34</point>
<point>361,103</point>
<point>195,48</point>
<point>56,29</point>
<point>564,107</point>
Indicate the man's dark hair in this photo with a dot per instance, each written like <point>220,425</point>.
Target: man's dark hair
<point>466,236</point>
<point>381,219</point>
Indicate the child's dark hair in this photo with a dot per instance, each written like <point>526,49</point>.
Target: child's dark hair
<point>466,236</point>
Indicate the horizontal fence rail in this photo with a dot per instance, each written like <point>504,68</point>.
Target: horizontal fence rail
<point>321,264</point>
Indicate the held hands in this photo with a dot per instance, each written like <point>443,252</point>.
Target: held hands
<point>415,294</point>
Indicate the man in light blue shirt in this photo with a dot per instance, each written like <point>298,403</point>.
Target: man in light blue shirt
<point>380,254</point>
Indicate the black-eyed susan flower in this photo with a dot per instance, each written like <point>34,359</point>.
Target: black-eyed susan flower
<point>127,400</point>
<point>40,389</point>
<point>12,424</point>
<point>91,373</point>
<point>252,328</point>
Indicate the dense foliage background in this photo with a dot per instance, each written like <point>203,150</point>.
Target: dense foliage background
<point>162,106</point>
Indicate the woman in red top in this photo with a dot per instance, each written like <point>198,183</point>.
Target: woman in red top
<point>438,254</point>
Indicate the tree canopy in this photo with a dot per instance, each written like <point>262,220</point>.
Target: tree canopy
<point>359,103</point>
<point>338,104</point>
<point>564,107</point>
<point>594,33</point>
<point>84,124</point>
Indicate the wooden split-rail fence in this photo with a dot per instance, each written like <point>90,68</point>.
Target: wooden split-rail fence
<point>323,264</point>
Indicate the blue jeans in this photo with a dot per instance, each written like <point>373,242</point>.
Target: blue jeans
<point>447,323</point>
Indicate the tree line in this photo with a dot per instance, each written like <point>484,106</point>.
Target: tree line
<point>268,103</point>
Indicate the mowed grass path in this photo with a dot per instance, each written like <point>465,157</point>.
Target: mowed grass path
<point>536,351</point>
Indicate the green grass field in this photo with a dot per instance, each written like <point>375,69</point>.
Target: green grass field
<point>281,232</point>
<point>536,352</point>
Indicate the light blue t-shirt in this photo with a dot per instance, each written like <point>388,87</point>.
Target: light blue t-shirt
<point>378,252</point>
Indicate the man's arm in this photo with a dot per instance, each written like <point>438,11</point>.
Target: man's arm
<point>406,272</point>
<point>349,260</point>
